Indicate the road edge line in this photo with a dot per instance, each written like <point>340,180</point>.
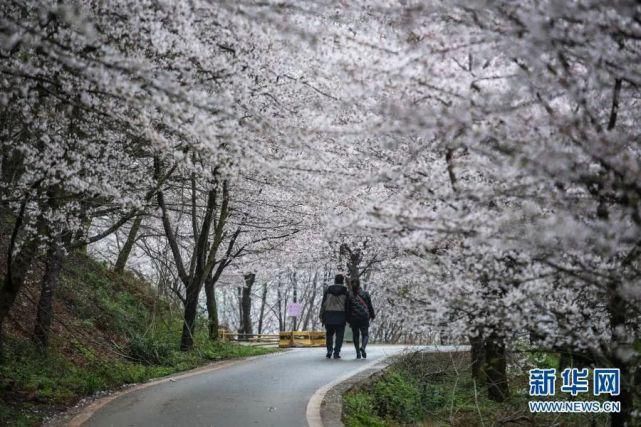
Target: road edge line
<point>313,410</point>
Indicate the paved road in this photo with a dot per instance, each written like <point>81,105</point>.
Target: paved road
<point>267,391</point>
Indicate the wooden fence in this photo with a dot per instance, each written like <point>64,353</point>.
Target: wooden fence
<point>283,340</point>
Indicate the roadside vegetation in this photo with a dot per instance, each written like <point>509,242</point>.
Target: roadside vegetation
<point>438,389</point>
<point>110,329</point>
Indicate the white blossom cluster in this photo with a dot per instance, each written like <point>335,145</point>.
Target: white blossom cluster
<point>483,156</point>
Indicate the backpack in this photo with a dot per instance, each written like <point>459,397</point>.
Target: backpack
<point>360,311</point>
<point>334,302</point>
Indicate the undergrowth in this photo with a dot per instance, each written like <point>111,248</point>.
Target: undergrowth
<point>437,389</point>
<point>110,329</point>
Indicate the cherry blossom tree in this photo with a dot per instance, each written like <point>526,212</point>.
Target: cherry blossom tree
<point>474,164</point>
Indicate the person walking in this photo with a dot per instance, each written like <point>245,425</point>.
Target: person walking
<point>333,315</point>
<point>359,315</point>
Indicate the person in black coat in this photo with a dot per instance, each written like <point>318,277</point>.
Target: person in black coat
<point>359,315</point>
<point>333,315</point>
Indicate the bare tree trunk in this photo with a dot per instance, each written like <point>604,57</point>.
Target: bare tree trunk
<point>614,110</point>
<point>496,368</point>
<point>279,305</point>
<point>354,259</point>
<point>617,310</point>
<point>263,302</point>
<point>203,256</point>
<point>124,253</point>
<point>212,310</point>
<point>11,287</point>
<point>48,285</point>
<point>18,266</point>
<point>86,226</point>
<point>210,287</point>
<point>241,324</point>
<point>477,351</point>
<point>246,303</point>
<point>295,300</point>
<point>310,310</point>
<point>191,308</point>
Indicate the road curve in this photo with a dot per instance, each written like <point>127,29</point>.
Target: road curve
<point>267,391</point>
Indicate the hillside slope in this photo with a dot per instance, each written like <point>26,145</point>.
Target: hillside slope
<point>109,329</point>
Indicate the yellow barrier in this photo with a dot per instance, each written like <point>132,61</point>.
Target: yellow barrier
<point>318,339</point>
<point>286,340</point>
<point>302,339</point>
<point>251,338</point>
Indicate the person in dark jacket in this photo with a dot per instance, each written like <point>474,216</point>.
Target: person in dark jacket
<point>333,314</point>
<point>359,315</point>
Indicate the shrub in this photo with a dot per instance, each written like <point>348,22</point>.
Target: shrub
<point>360,412</point>
<point>149,350</point>
<point>398,397</point>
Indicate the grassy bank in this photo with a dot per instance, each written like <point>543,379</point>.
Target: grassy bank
<point>110,329</point>
<point>437,389</point>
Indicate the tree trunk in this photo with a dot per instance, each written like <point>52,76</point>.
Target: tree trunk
<point>570,358</point>
<point>617,310</point>
<point>12,164</point>
<point>17,270</point>
<point>279,304</point>
<point>246,303</point>
<point>477,351</point>
<point>124,253</point>
<point>82,234</point>
<point>48,285</point>
<point>310,310</point>
<point>263,302</point>
<point>495,369</point>
<point>212,310</point>
<point>241,325</point>
<point>295,300</point>
<point>191,308</point>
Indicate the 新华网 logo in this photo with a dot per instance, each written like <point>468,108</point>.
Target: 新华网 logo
<point>574,381</point>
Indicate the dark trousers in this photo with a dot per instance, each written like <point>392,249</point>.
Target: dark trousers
<point>339,330</point>
<point>363,330</point>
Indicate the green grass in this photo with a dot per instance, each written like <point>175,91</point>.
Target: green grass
<point>359,409</point>
<point>396,397</point>
<point>32,382</point>
<point>437,389</point>
<point>111,329</point>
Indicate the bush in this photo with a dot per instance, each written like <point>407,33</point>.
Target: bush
<point>149,350</point>
<point>360,411</point>
<point>398,397</point>
<point>411,389</point>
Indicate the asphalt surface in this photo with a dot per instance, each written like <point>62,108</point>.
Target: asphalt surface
<point>271,390</point>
